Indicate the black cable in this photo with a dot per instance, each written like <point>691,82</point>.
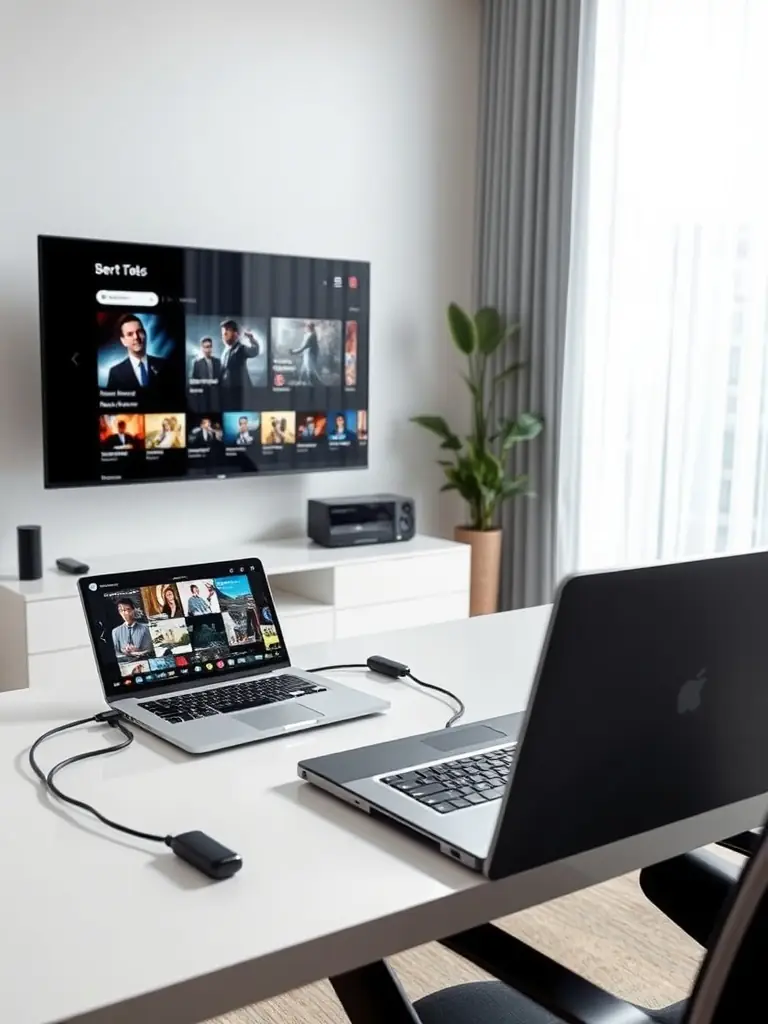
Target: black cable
<point>330,668</point>
<point>196,848</point>
<point>439,689</point>
<point>396,670</point>
<point>47,779</point>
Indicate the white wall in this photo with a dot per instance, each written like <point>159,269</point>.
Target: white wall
<point>313,127</point>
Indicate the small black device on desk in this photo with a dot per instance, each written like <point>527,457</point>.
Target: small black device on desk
<point>369,519</point>
<point>72,566</point>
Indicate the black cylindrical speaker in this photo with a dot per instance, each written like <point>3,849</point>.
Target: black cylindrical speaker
<point>30,552</point>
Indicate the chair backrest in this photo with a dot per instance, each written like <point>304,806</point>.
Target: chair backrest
<point>732,987</point>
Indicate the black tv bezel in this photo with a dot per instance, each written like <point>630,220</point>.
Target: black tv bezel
<point>214,477</point>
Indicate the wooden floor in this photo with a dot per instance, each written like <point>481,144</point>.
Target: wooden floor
<point>610,934</point>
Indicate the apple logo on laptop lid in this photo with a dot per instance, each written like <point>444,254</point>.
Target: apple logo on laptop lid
<point>689,695</point>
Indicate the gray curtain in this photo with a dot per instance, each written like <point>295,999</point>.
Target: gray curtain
<point>529,64</point>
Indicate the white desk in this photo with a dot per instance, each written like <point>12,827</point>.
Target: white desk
<point>97,928</point>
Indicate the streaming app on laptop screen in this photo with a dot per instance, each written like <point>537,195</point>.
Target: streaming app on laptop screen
<point>184,624</point>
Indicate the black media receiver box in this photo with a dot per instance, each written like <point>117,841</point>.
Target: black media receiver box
<point>370,519</point>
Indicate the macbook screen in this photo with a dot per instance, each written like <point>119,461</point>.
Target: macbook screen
<point>191,623</point>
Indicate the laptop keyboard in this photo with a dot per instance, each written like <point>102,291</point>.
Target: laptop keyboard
<point>453,785</point>
<point>225,700</point>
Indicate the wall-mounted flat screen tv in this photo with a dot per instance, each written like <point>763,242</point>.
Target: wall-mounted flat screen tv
<point>163,363</point>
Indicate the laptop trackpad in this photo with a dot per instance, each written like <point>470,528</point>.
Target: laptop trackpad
<point>464,736</point>
<point>278,717</point>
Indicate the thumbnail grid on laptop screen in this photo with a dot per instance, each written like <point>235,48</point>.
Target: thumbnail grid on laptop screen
<point>167,626</point>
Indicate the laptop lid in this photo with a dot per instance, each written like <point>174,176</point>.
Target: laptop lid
<point>181,626</point>
<point>650,706</point>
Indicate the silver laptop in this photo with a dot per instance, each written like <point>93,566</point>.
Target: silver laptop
<point>196,655</point>
<point>649,707</point>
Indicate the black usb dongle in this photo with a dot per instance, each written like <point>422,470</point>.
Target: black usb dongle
<point>205,854</point>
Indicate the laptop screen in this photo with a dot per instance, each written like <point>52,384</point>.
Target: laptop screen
<point>182,624</point>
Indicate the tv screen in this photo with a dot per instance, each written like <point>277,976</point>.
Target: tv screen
<point>164,363</point>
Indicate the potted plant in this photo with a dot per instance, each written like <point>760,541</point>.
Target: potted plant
<point>477,466</point>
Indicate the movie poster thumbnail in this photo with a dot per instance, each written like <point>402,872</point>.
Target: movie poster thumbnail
<point>198,597</point>
<point>241,429</point>
<point>165,430</point>
<point>238,610</point>
<point>209,635</point>
<point>123,433</point>
<point>350,354</point>
<point>162,601</point>
<point>170,637</point>
<point>310,428</point>
<point>136,352</point>
<point>278,429</point>
<point>226,361</point>
<point>163,664</point>
<point>270,637</point>
<point>305,352</point>
<point>127,624</point>
<point>133,670</point>
<point>342,428</point>
<point>204,431</point>
<point>362,426</point>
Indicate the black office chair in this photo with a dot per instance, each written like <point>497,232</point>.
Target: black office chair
<point>533,989</point>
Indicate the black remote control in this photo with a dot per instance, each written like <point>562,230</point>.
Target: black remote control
<point>72,566</point>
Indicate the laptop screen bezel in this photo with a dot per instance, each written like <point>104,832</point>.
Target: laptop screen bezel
<point>127,580</point>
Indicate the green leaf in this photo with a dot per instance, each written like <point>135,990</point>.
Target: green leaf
<point>508,372</point>
<point>491,471</point>
<point>530,424</point>
<point>462,328</point>
<point>452,442</point>
<point>434,423</point>
<point>524,428</point>
<point>444,462</point>
<point>516,485</point>
<point>449,487</point>
<point>490,331</point>
<point>437,425</point>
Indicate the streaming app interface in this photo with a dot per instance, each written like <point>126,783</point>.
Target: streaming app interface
<point>161,362</point>
<point>181,625</point>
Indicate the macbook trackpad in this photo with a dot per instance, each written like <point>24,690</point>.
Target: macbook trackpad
<point>278,717</point>
<point>464,736</point>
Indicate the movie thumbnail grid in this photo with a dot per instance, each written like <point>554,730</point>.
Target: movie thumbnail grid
<point>158,393</point>
<point>159,629</point>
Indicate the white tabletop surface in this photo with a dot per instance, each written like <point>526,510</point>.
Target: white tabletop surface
<point>99,928</point>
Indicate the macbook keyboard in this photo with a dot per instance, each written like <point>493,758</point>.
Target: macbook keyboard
<point>225,700</point>
<point>454,785</point>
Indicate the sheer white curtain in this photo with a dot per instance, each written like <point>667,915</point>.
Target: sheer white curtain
<point>664,446</point>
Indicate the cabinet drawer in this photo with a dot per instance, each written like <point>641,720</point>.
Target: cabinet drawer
<point>402,578</point>
<point>315,628</point>
<point>56,625</point>
<point>56,671</point>
<point>401,614</point>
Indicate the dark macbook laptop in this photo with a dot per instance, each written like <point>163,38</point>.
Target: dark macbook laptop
<point>649,706</point>
<point>195,654</point>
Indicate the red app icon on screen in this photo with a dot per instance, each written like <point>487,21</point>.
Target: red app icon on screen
<point>219,664</point>
<point>353,282</point>
<point>279,380</point>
